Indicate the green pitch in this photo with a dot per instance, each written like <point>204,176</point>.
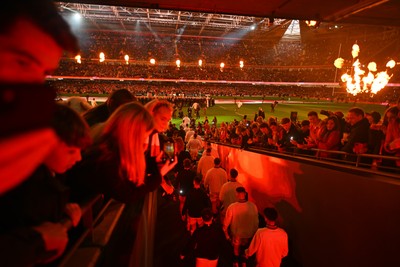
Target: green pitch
<point>228,112</point>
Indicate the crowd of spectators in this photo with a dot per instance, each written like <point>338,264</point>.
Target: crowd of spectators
<point>173,90</point>
<point>357,132</point>
<point>253,49</point>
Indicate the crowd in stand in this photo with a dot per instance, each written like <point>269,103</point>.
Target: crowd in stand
<point>355,133</point>
<point>173,90</point>
<point>253,49</point>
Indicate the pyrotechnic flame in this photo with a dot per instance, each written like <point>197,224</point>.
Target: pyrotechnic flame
<point>355,50</point>
<point>78,59</point>
<point>360,81</point>
<point>391,64</point>
<point>339,62</point>
<point>372,66</point>
<point>126,57</point>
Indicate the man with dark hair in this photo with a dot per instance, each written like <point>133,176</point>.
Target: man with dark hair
<point>103,111</point>
<point>196,200</point>
<point>207,242</point>
<point>240,224</point>
<point>290,134</point>
<point>33,36</point>
<point>358,137</point>
<point>184,181</point>
<point>270,244</point>
<point>32,211</point>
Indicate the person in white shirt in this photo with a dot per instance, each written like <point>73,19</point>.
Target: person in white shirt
<point>206,163</point>
<point>194,145</point>
<point>240,224</point>
<point>189,134</point>
<point>270,244</point>
<point>227,195</point>
<point>215,178</point>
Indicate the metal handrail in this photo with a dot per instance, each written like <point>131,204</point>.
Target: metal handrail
<point>89,223</point>
<point>357,159</point>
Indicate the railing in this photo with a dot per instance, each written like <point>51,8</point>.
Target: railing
<point>361,161</point>
<point>98,224</point>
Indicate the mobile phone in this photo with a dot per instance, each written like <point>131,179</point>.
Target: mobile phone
<point>169,151</point>
<point>291,138</point>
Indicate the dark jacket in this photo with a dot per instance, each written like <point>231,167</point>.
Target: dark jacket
<point>99,173</point>
<point>207,242</point>
<point>358,134</point>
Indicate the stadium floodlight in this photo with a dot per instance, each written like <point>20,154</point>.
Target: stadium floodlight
<point>77,16</point>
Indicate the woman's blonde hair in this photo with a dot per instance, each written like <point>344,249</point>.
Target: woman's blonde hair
<point>125,130</point>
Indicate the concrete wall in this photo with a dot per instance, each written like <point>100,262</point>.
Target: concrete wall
<point>334,216</point>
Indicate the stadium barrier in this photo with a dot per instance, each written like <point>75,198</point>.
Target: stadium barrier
<point>99,224</point>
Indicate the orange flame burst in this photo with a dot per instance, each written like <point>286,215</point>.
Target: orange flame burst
<point>362,81</point>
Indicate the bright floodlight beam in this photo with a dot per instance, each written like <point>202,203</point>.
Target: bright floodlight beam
<point>77,16</point>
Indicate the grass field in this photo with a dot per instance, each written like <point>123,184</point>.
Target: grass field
<point>226,112</point>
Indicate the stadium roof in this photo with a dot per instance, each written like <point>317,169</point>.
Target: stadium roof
<point>372,12</point>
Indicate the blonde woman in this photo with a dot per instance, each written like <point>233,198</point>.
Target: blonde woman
<point>161,111</point>
<point>117,167</point>
<point>116,164</point>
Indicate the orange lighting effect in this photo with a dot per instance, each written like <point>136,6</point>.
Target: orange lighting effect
<point>200,63</point>
<point>361,79</point>
<point>78,59</point>
<point>152,61</point>
<point>241,64</point>
<point>126,57</point>
<point>178,63</point>
<point>102,57</point>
